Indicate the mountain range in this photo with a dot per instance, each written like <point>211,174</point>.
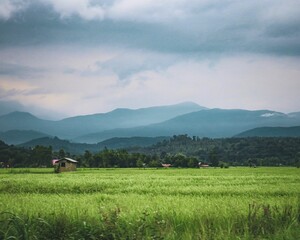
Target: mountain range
<point>70,128</point>
<point>184,118</point>
<point>16,137</point>
<point>272,132</point>
<point>80,148</point>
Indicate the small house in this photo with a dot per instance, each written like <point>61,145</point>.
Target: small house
<point>166,165</point>
<point>65,165</point>
<point>203,165</point>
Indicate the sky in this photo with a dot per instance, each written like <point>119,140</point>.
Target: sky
<point>61,58</point>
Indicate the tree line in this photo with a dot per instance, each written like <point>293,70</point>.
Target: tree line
<point>179,151</point>
<point>255,151</point>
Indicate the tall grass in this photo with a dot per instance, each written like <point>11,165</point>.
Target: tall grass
<point>237,203</point>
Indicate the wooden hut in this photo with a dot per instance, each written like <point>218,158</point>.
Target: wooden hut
<point>65,165</point>
<point>166,165</point>
<point>203,165</point>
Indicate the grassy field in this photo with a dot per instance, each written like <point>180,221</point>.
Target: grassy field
<point>234,203</point>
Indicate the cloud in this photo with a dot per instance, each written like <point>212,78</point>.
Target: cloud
<point>19,71</point>
<point>9,7</point>
<point>101,54</point>
<point>267,115</point>
<point>99,80</point>
<point>86,9</point>
<point>126,63</point>
<point>254,83</point>
<point>202,27</point>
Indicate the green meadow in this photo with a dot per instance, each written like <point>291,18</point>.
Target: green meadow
<point>214,203</point>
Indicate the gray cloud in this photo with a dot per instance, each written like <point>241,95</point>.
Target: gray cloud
<point>11,106</point>
<point>101,54</point>
<point>200,27</point>
<point>126,64</point>
<point>8,93</point>
<point>19,71</point>
<point>9,7</point>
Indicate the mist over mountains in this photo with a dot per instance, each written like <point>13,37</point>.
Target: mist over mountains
<point>184,118</point>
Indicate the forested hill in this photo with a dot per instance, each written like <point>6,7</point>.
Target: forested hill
<point>57,144</point>
<point>272,132</point>
<point>236,151</point>
<point>80,148</point>
<point>180,151</point>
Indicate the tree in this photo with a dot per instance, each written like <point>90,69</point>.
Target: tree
<point>180,160</point>
<point>41,156</point>
<point>297,160</point>
<point>139,163</point>
<point>213,158</point>
<point>88,159</point>
<point>223,164</point>
<point>193,162</point>
<point>154,163</point>
<point>61,153</point>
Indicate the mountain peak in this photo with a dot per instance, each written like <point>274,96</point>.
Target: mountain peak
<point>189,104</point>
<point>18,114</point>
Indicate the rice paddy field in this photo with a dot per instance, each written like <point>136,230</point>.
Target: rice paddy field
<point>234,203</point>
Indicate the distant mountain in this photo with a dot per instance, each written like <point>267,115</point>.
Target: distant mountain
<point>271,132</point>
<point>218,123</point>
<point>294,115</point>
<point>185,118</point>
<point>57,144</point>
<point>70,128</point>
<point>117,143</point>
<point>25,121</point>
<point>127,118</point>
<point>20,136</point>
<point>80,148</point>
<point>10,106</point>
<point>214,123</point>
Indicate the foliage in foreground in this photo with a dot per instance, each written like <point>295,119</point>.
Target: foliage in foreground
<point>262,222</point>
<point>150,204</point>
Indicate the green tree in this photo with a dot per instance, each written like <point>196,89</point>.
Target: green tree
<point>88,159</point>
<point>139,163</point>
<point>180,160</point>
<point>193,162</point>
<point>41,156</point>
<point>213,158</point>
<point>297,160</point>
<point>61,153</point>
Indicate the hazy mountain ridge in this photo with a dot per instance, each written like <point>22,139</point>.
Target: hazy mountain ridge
<point>271,132</point>
<point>57,144</point>
<point>24,121</point>
<point>7,107</point>
<point>294,114</point>
<point>213,123</point>
<point>80,125</point>
<point>20,136</point>
<point>185,118</point>
<point>80,148</point>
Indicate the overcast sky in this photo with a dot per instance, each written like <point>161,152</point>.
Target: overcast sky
<point>62,58</point>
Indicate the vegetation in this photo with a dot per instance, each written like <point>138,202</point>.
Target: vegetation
<point>233,151</point>
<point>80,148</point>
<point>234,203</point>
<point>272,132</point>
<point>180,151</point>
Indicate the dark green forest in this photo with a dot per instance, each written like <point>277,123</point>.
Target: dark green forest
<point>179,150</point>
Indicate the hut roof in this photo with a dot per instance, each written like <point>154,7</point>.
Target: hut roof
<point>68,159</point>
<point>166,165</point>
